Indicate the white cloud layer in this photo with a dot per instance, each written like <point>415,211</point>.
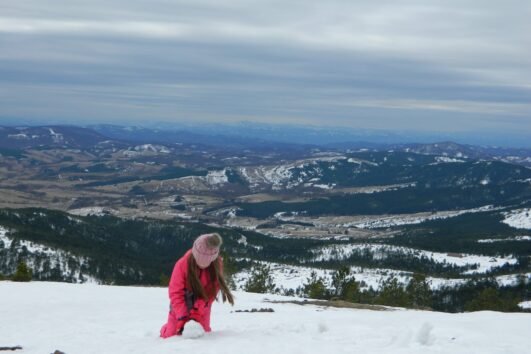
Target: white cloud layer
<point>299,60</point>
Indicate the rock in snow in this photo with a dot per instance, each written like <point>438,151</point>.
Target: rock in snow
<point>88,318</point>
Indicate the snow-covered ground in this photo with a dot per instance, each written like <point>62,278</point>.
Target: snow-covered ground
<point>44,317</point>
<point>520,219</point>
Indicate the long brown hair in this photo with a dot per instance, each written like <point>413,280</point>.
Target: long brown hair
<point>216,276</point>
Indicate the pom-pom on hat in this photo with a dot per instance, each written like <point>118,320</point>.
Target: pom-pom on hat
<point>206,249</point>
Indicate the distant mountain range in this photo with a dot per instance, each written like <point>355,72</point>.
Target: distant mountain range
<point>27,137</point>
<point>72,137</point>
<point>336,136</point>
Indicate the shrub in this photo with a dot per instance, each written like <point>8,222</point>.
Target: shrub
<point>490,299</point>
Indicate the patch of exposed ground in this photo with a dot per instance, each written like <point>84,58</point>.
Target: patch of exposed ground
<point>335,303</point>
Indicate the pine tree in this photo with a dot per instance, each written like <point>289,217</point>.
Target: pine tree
<point>419,292</point>
<point>229,269</point>
<point>339,281</point>
<point>260,280</point>
<point>392,293</point>
<point>315,287</point>
<point>164,280</point>
<point>490,299</point>
<point>23,273</point>
<point>344,286</point>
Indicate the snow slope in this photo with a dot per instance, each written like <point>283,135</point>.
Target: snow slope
<point>519,219</point>
<point>290,277</point>
<point>88,318</point>
<point>484,263</point>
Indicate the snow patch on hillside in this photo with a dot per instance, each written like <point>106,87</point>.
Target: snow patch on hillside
<point>276,176</point>
<point>56,137</point>
<point>482,263</point>
<point>146,149</point>
<point>398,220</point>
<point>214,179</point>
<point>360,161</point>
<point>284,276</point>
<point>291,175</point>
<point>20,136</point>
<point>324,186</point>
<point>243,241</point>
<point>217,177</point>
<point>516,238</point>
<point>42,259</point>
<point>446,159</point>
<point>94,211</point>
<point>290,278</point>
<point>519,219</point>
<point>513,279</point>
<point>152,148</point>
<point>3,238</point>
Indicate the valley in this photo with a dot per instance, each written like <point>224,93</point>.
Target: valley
<point>385,213</point>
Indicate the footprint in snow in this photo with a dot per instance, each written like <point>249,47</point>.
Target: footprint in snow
<point>424,335</point>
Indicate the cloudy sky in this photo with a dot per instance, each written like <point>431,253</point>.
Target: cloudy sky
<point>426,65</point>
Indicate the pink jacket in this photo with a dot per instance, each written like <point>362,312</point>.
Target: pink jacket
<point>181,312</point>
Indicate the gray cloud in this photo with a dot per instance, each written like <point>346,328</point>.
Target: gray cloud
<point>442,65</point>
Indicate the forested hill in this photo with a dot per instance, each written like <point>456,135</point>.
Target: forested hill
<point>107,249</point>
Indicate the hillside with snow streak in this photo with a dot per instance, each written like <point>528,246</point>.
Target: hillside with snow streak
<point>92,318</point>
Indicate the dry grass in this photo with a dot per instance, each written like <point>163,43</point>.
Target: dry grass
<point>335,303</point>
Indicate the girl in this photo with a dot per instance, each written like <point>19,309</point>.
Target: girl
<point>196,279</point>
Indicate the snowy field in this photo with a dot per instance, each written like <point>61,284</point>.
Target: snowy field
<point>44,317</point>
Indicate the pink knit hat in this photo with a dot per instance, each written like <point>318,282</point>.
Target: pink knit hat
<point>204,250</point>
